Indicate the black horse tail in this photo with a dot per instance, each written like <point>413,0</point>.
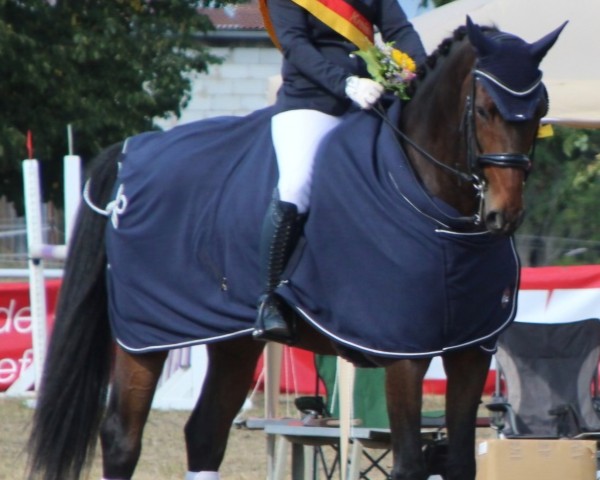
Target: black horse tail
<point>72,397</point>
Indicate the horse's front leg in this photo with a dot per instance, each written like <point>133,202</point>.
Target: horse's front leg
<point>404,390</point>
<point>133,386</point>
<point>231,367</point>
<point>466,372</point>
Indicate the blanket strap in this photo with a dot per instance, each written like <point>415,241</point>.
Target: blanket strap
<point>113,209</point>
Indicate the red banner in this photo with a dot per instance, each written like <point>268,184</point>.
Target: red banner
<point>547,295</point>
<point>16,352</point>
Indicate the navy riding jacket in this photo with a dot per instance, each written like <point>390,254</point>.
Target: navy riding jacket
<point>317,60</point>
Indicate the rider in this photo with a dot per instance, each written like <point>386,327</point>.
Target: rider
<point>321,80</point>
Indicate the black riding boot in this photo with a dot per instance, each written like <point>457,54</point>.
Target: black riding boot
<point>281,230</point>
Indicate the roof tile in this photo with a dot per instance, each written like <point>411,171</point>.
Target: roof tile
<point>236,17</point>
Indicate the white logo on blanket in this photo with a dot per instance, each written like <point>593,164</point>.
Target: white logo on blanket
<point>117,206</point>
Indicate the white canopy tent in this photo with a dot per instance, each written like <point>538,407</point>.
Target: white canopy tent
<point>571,68</point>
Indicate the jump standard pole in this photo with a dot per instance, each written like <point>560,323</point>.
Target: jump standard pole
<point>38,251</point>
<point>37,284</point>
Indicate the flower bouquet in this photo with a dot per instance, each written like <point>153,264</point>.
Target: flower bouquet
<point>390,67</point>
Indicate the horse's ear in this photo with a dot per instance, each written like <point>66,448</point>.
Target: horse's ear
<point>540,48</point>
<point>483,44</point>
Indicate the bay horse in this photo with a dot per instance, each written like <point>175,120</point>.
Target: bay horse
<point>467,131</point>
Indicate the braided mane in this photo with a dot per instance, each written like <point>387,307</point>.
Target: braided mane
<point>440,54</point>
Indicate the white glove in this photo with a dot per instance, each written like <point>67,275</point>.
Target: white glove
<point>363,91</point>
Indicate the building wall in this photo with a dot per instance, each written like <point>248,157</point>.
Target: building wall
<point>238,86</point>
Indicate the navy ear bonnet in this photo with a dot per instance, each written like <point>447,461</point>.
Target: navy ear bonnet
<point>508,68</point>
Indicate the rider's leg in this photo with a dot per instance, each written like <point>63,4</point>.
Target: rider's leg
<point>280,233</point>
<point>296,138</point>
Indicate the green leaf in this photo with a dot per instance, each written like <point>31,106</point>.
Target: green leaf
<point>372,63</point>
<point>106,67</point>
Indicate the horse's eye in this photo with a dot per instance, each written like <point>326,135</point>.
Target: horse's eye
<point>481,112</point>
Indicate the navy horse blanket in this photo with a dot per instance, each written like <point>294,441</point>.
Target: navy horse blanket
<point>383,268</point>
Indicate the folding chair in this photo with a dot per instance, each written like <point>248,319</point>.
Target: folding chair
<point>369,412</point>
<point>550,374</point>
<point>370,434</point>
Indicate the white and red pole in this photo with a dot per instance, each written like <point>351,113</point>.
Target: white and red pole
<point>37,285</point>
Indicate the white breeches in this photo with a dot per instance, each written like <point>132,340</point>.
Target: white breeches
<point>296,138</point>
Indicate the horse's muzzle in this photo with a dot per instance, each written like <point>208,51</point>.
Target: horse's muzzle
<point>498,223</point>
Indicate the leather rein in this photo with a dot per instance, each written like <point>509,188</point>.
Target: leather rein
<point>475,162</point>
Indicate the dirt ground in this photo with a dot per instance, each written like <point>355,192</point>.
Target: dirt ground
<point>163,453</point>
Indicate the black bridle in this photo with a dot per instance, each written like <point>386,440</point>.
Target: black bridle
<point>475,161</point>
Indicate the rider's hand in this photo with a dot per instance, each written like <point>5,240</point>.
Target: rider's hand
<point>363,91</point>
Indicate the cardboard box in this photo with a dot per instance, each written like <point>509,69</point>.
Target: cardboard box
<point>505,459</point>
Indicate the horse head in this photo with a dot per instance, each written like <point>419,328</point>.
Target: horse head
<point>483,94</point>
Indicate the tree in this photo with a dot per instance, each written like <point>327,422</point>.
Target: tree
<point>562,225</point>
<point>108,68</point>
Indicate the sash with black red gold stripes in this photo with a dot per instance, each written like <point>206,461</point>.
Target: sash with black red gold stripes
<point>339,15</point>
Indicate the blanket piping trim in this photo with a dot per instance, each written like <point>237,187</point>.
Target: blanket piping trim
<point>407,200</point>
<point>432,353</point>
<point>187,343</point>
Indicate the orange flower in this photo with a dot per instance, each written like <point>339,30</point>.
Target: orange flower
<point>403,60</point>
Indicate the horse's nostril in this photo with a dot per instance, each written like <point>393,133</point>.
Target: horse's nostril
<point>494,221</point>
<point>498,222</point>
